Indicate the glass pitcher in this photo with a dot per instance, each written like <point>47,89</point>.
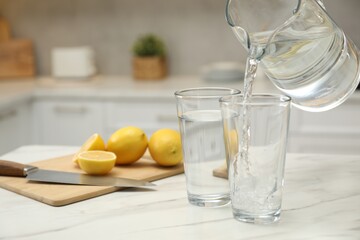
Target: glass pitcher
<point>300,48</point>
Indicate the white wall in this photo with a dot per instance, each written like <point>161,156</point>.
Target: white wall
<point>346,14</point>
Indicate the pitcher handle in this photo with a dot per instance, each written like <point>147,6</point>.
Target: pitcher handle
<point>321,3</point>
<point>227,14</point>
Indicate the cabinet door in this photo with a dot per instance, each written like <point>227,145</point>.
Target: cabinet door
<point>67,122</point>
<point>148,114</point>
<point>15,127</point>
<point>334,131</point>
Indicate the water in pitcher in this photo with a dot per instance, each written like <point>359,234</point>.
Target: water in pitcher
<point>309,58</point>
<point>311,68</point>
<point>203,131</point>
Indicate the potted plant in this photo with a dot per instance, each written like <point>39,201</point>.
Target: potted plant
<point>149,60</point>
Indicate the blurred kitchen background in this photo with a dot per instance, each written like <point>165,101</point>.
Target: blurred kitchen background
<point>195,32</point>
<point>43,109</point>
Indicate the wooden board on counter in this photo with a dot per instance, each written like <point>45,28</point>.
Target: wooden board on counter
<point>4,30</point>
<point>62,194</point>
<point>17,59</point>
<point>221,172</point>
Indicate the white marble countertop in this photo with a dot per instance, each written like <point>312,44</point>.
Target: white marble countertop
<point>321,201</point>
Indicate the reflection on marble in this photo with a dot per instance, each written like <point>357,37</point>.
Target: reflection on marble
<point>321,201</point>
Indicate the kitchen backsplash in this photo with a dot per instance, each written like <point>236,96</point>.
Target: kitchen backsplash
<point>195,32</point>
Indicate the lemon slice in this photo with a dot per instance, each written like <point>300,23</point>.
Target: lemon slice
<point>95,142</point>
<point>96,162</point>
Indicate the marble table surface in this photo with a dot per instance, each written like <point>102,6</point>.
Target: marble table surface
<point>321,201</point>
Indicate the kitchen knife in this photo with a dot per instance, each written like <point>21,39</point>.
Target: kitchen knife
<point>32,173</point>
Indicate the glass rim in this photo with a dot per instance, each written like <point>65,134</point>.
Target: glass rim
<point>260,99</point>
<point>186,92</point>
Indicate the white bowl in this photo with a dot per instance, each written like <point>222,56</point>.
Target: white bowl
<point>223,71</point>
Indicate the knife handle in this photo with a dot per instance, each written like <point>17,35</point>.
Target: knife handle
<point>8,168</point>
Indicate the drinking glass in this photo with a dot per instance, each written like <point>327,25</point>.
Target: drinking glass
<point>256,137</point>
<point>199,115</point>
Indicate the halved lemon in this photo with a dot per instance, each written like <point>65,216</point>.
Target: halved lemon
<point>95,142</point>
<point>96,162</point>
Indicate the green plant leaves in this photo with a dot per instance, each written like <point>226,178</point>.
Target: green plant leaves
<point>149,45</point>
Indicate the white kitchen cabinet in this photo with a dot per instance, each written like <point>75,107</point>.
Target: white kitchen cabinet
<point>15,127</point>
<point>67,122</point>
<point>68,116</point>
<point>71,122</point>
<point>150,114</point>
<point>335,131</point>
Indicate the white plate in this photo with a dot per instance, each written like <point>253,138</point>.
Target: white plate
<point>223,71</point>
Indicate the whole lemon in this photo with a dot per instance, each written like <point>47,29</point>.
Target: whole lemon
<point>128,143</point>
<point>232,140</point>
<point>165,147</point>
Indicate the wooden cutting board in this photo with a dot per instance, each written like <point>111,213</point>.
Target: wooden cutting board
<point>17,58</point>
<point>62,194</point>
<point>4,30</point>
<point>221,171</point>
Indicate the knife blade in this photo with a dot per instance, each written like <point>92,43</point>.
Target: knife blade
<point>32,173</point>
